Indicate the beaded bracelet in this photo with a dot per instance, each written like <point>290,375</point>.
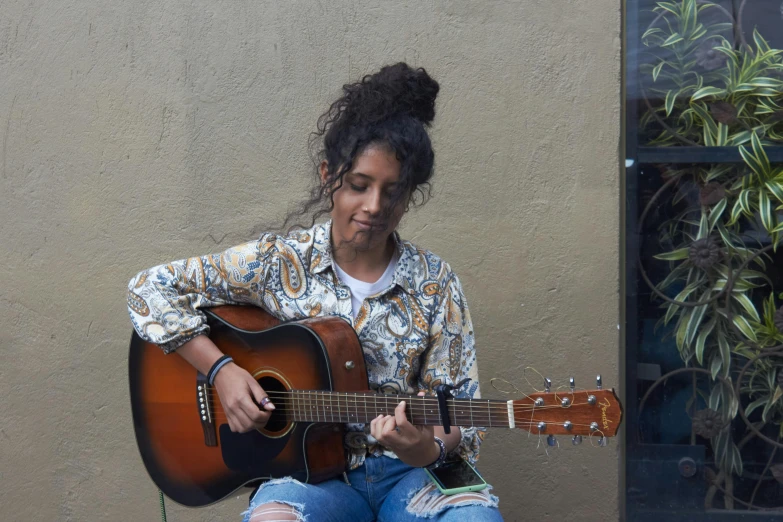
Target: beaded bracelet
<point>442,457</point>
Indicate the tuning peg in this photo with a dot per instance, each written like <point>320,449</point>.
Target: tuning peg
<point>571,382</point>
<point>577,440</point>
<point>598,383</point>
<point>547,384</point>
<point>551,440</point>
<point>603,441</point>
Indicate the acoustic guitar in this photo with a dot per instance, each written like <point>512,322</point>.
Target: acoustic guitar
<point>314,372</point>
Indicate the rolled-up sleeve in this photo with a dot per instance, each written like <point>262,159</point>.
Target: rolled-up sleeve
<point>451,356</point>
<point>164,302</point>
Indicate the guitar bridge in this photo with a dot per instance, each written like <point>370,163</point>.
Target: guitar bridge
<point>205,411</point>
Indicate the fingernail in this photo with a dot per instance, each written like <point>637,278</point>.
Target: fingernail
<point>271,406</point>
<point>402,403</point>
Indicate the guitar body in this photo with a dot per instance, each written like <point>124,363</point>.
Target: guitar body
<point>182,433</point>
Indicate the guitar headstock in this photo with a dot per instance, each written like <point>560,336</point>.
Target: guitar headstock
<point>578,413</point>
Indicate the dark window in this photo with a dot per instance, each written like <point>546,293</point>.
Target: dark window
<point>704,260</point>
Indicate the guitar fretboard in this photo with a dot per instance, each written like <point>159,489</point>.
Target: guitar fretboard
<point>320,406</point>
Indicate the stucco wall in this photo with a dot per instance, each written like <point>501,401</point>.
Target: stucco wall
<point>136,132</point>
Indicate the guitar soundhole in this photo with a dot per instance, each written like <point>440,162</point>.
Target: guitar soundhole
<point>279,420</point>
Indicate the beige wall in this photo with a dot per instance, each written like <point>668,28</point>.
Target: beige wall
<point>136,132</point>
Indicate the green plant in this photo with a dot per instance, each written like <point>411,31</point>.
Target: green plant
<point>702,90</point>
<point>714,93</point>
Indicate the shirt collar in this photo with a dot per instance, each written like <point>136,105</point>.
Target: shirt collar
<point>321,257</point>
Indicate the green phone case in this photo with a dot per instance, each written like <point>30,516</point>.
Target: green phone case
<point>464,489</point>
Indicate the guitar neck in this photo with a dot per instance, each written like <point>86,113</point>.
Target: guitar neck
<point>320,406</point>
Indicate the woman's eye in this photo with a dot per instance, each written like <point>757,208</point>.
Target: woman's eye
<point>357,188</point>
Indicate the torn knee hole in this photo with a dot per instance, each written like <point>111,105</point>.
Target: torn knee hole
<point>275,512</point>
<point>428,501</point>
<point>462,498</point>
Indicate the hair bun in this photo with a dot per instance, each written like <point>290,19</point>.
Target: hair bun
<point>394,90</point>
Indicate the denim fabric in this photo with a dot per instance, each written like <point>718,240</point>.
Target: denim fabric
<point>383,489</point>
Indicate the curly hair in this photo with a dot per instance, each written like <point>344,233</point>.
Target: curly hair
<point>389,109</point>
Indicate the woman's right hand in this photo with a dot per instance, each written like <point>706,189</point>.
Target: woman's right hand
<point>237,390</point>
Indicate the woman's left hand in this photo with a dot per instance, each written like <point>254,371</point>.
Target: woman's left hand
<point>414,445</point>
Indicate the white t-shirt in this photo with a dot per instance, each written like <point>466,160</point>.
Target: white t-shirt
<point>361,290</point>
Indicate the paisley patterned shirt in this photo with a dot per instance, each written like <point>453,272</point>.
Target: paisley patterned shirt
<point>415,334</point>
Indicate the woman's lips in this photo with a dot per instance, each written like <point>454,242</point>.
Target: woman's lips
<point>366,225</point>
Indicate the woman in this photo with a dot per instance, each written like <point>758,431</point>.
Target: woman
<point>406,305</point>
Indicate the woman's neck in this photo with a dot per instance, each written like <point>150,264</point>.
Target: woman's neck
<point>364,265</point>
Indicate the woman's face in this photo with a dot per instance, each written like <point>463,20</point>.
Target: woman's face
<point>360,214</point>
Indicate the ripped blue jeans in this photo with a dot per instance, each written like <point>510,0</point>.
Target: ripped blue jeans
<point>383,489</point>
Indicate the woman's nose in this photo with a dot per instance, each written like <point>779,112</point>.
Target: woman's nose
<point>373,202</point>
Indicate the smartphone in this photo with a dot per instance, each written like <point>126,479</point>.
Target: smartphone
<point>456,476</point>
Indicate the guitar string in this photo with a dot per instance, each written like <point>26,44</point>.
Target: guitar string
<point>332,400</point>
<point>476,417</point>
<point>477,406</point>
<point>321,395</point>
<point>528,424</point>
<point>478,422</point>
<point>518,425</point>
<point>371,417</point>
<point>302,402</point>
<point>577,391</point>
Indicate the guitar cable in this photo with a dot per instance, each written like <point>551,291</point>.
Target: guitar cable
<point>162,506</point>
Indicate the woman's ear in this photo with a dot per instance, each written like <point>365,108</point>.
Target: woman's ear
<point>323,170</point>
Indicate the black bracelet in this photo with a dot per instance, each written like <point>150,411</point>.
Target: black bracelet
<point>224,360</point>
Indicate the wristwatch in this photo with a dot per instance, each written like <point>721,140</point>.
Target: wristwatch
<point>442,457</point>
